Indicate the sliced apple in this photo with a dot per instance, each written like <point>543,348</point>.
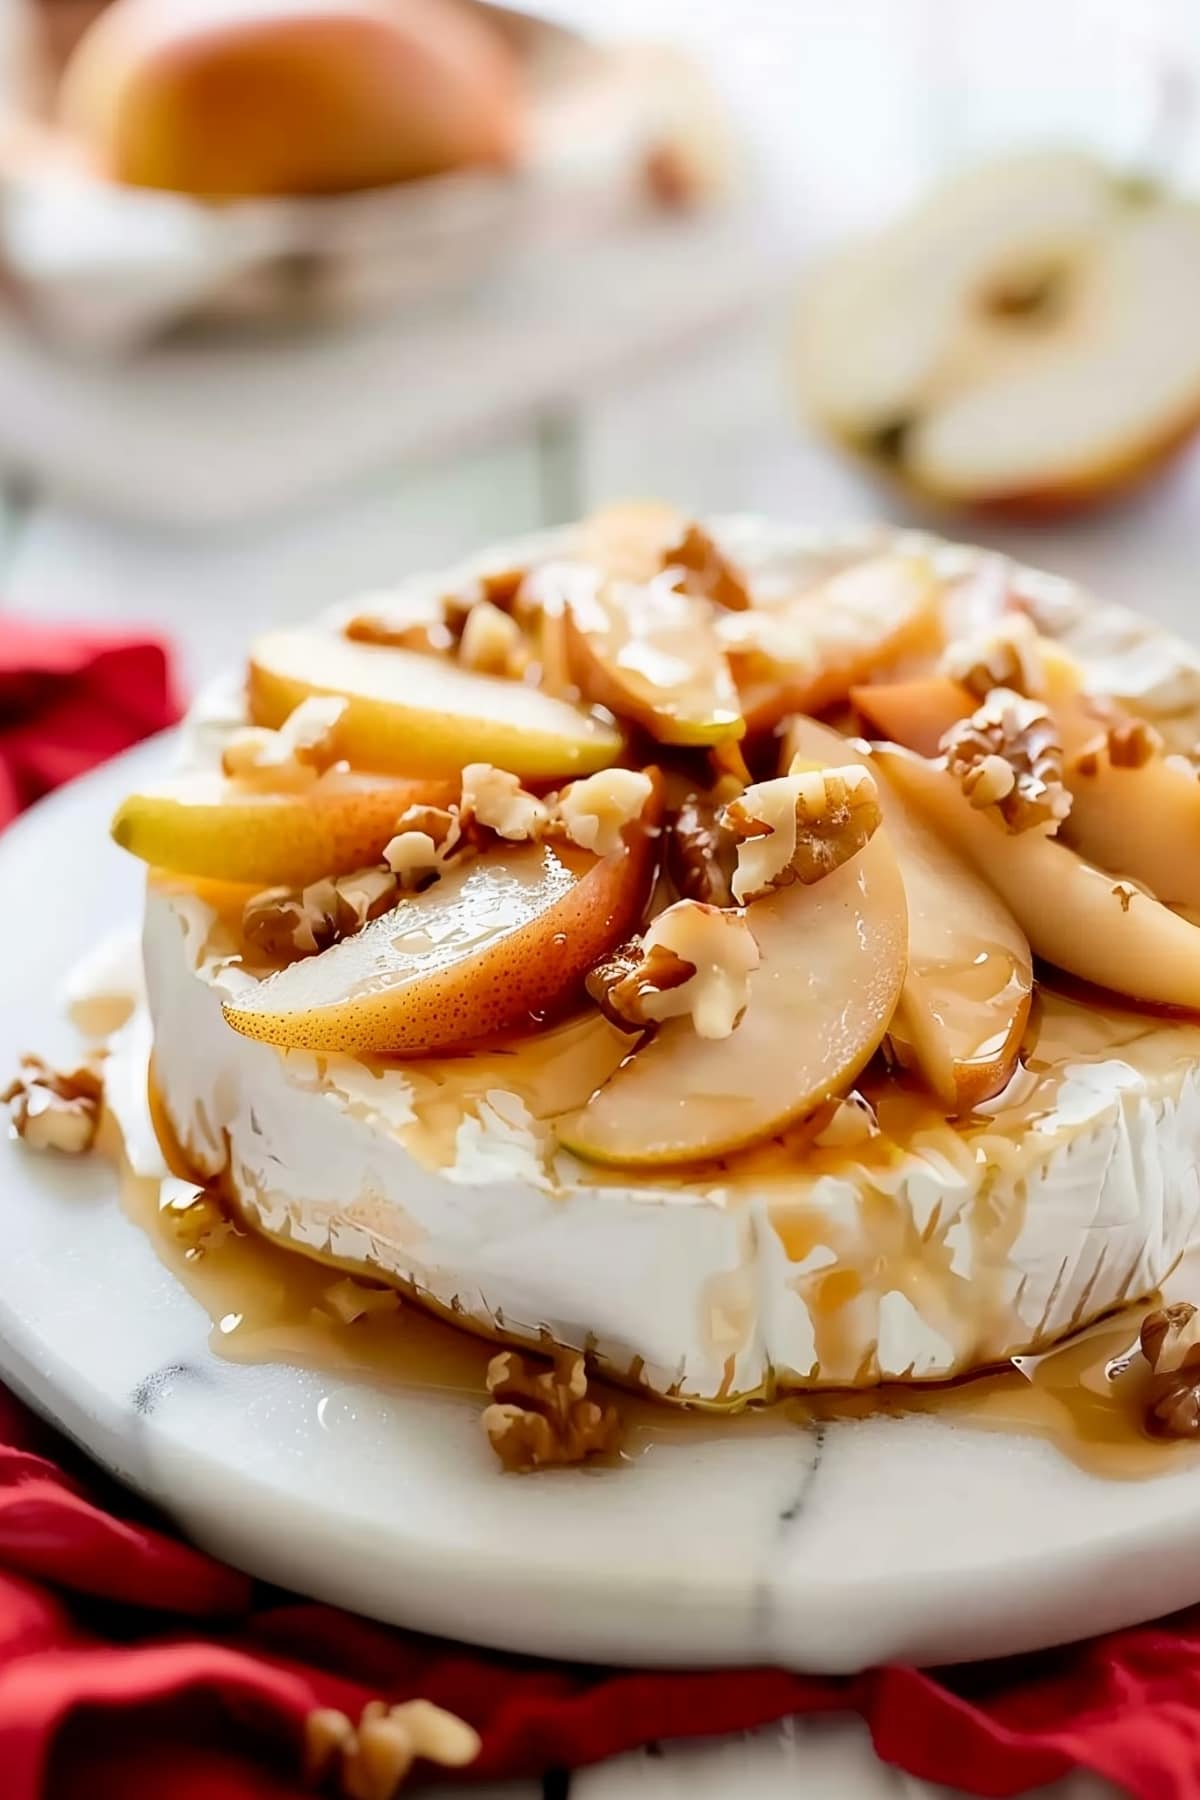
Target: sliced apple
<point>969,984</point>
<point>203,825</point>
<point>493,946</point>
<point>831,970</point>
<point>807,654</point>
<point>1143,823</point>
<point>1075,915</point>
<point>650,652</point>
<point>416,715</point>
<point>1025,338</point>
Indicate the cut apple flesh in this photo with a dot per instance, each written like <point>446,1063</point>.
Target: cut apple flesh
<point>413,714</point>
<point>205,826</point>
<point>831,970</point>
<point>629,539</point>
<point>806,655</point>
<point>493,946</point>
<point>969,983</point>
<point>650,652</point>
<point>1076,916</point>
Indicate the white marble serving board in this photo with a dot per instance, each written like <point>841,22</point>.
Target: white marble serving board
<point>827,1550</point>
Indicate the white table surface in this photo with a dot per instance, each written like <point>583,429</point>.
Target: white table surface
<point>714,430</point>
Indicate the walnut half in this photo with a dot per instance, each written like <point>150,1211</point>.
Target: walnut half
<point>800,827</point>
<point>539,1419</point>
<point>54,1109</point>
<point>1171,1345</point>
<point>1008,760</point>
<point>693,961</point>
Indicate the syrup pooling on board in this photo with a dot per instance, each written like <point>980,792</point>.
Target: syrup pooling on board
<point>269,1304</point>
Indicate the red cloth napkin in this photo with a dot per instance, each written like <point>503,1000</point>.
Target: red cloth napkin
<point>133,1666</point>
<point>69,699</point>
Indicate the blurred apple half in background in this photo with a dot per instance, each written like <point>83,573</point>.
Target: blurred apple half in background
<point>225,98</point>
<point>1026,340</point>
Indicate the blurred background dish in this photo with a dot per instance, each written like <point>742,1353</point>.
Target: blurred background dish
<point>174,162</point>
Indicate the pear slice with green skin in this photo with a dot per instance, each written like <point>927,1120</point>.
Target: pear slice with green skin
<point>832,968</point>
<point>495,945</point>
<point>649,652</point>
<point>204,826</point>
<point>806,655</point>
<point>969,984</point>
<point>412,714</point>
<point>1076,916</point>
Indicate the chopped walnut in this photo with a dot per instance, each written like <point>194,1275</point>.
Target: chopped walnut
<point>1129,744</point>
<point>539,1419</point>
<point>693,961</point>
<point>595,811</point>
<point>706,570</point>
<point>194,1216</point>
<point>372,1761</point>
<point>413,620</point>
<point>800,826</point>
<point>286,923</point>
<point>291,758</point>
<point>700,853</point>
<point>493,798</point>
<point>55,1109</point>
<point>349,1300</point>
<point>1124,893</point>
<point>1008,760</point>
<point>852,1121</point>
<point>492,643</point>
<point>1171,1345</point>
<point>1007,656</point>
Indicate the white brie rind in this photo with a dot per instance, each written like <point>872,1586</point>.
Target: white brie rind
<point>949,1252</point>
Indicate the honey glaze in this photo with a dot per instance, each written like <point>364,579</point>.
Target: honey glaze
<point>269,1304</point>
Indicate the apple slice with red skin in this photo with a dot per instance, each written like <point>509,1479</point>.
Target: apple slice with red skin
<point>493,946</point>
<point>969,984</point>
<point>1076,916</point>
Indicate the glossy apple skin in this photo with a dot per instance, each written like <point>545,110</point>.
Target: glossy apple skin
<point>226,98</point>
<point>495,946</point>
<point>204,826</point>
<point>411,714</point>
<point>914,713</point>
<point>969,985</point>
<point>833,961</point>
<point>1076,916</point>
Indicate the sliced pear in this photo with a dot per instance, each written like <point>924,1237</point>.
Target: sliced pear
<point>1143,823</point>
<point>832,967</point>
<point>493,946</point>
<point>969,984</point>
<point>629,539</point>
<point>1023,338</point>
<point>203,825</point>
<point>648,651</point>
<point>1074,914</point>
<point>807,654</point>
<point>917,714</point>
<point>415,715</point>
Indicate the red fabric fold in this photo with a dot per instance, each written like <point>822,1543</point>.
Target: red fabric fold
<point>69,699</point>
<point>132,1665</point>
